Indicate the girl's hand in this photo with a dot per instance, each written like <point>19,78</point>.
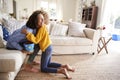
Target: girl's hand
<point>24,31</point>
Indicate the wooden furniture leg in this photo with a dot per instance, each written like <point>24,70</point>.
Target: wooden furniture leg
<point>104,44</point>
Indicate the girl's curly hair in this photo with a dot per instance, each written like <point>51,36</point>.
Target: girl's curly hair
<point>33,19</point>
<point>46,16</point>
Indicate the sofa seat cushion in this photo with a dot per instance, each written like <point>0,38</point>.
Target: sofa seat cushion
<point>10,60</point>
<point>67,40</point>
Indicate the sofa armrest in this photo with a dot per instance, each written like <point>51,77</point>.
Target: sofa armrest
<point>94,35</point>
<point>91,33</point>
<point>7,65</point>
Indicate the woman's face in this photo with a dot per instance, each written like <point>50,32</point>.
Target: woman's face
<point>40,20</point>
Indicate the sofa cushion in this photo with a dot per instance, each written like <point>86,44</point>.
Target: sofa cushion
<point>1,31</point>
<point>10,60</point>
<point>62,40</point>
<point>59,30</point>
<point>76,29</point>
<point>1,37</point>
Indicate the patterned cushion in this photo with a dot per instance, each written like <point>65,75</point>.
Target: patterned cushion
<point>76,29</point>
<point>12,24</point>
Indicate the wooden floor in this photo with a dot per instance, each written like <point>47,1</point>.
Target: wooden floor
<point>88,67</point>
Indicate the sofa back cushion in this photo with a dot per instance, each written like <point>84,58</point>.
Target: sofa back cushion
<point>59,29</point>
<point>76,29</point>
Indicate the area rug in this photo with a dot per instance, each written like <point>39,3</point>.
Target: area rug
<point>88,67</point>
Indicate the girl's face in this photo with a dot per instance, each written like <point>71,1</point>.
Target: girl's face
<point>40,20</point>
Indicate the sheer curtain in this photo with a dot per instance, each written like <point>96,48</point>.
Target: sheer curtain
<point>110,11</point>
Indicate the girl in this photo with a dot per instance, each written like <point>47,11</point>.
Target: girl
<point>42,38</point>
<point>30,61</point>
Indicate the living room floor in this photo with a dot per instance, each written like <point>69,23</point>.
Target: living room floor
<point>88,67</point>
<point>114,46</point>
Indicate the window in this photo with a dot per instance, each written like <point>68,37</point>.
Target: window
<point>49,6</point>
<point>109,14</point>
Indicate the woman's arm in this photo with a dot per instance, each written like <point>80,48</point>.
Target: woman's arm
<point>24,31</point>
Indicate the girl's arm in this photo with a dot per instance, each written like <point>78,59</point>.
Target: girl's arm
<point>35,39</point>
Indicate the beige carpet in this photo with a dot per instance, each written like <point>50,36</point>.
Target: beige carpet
<point>88,67</point>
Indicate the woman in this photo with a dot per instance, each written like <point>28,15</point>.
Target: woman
<point>17,39</point>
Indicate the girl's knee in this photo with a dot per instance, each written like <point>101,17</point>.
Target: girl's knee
<point>44,70</point>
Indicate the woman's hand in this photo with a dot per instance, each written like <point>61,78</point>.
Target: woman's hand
<point>24,31</point>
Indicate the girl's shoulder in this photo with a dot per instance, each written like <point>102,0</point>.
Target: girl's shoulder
<point>44,26</point>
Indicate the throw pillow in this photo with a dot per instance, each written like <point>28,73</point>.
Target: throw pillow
<point>76,29</point>
<point>12,24</point>
<point>59,30</point>
<point>5,33</point>
<point>52,23</point>
<point>1,31</point>
<point>1,37</point>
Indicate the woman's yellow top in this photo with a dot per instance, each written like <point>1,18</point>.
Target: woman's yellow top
<point>42,38</point>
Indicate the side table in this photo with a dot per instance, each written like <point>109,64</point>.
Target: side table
<point>102,41</point>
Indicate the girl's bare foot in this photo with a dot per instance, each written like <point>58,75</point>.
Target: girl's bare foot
<point>64,71</point>
<point>30,68</point>
<point>68,67</point>
<point>35,70</point>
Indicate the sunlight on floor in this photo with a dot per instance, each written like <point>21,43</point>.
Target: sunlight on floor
<point>114,46</point>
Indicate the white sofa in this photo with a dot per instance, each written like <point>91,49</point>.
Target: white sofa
<point>73,38</point>
<point>11,60</point>
<point>76,45</point>
<point>10,63</point>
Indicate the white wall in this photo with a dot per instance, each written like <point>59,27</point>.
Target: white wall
<point>66,8</point>
<point>22,4</point>
<point>69,9</point>
<point>99,3</point>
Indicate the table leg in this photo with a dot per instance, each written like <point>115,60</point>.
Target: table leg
<point>104,43</point>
